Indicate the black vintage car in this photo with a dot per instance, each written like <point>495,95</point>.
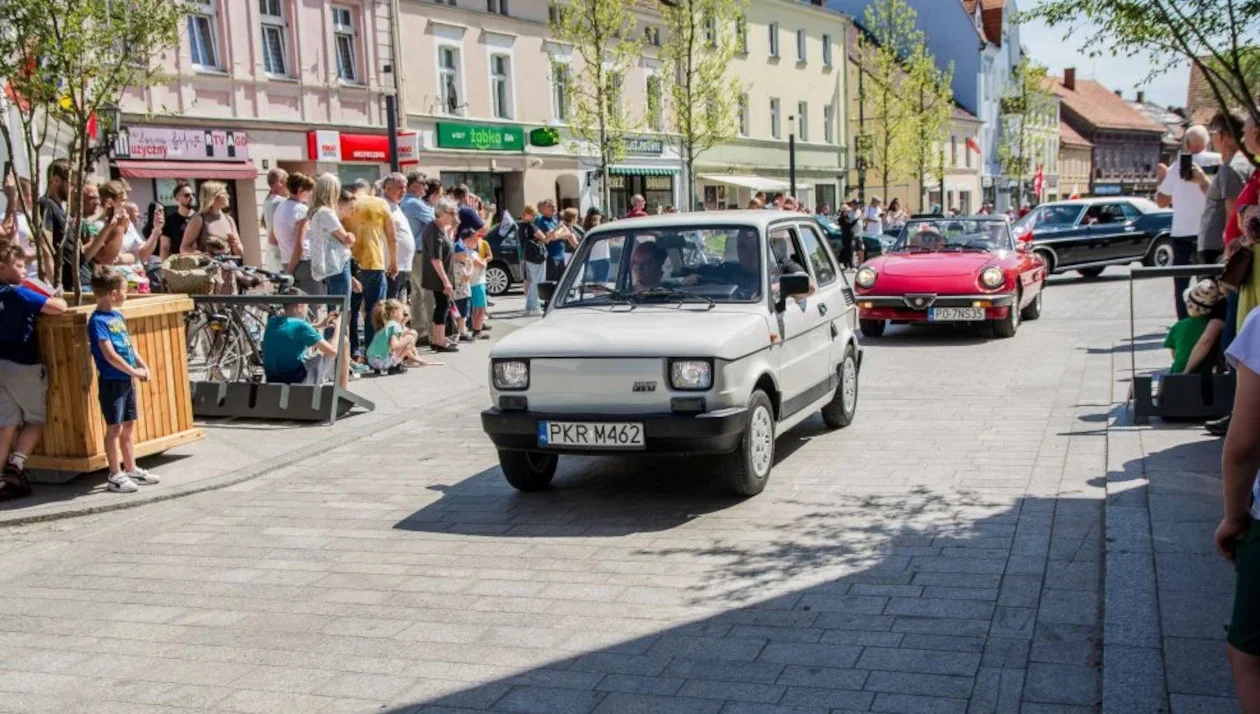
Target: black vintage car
<point>1089,234</point>
<point>505,267</point>
<point>872,245</point>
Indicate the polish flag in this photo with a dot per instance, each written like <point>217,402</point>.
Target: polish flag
<point>1038,183</point>
<point>971,144</point>
<point>1076,192</point>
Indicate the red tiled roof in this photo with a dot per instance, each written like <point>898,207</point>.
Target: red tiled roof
<point>1201,106</point>
<point>1101,108</point>
<point>990,17</point>
<point>1068,136</point>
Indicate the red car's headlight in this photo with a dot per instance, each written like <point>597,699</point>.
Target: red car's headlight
<point>991,278</point>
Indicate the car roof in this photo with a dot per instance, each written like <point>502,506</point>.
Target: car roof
<point>980,217</point>
<point>758,218</point>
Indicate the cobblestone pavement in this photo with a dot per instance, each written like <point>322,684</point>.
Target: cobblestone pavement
<point>943,554</point>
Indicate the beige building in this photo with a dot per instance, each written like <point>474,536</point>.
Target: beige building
<point>1076,163</point>
<point>964,159</point>
<point>792,59</point>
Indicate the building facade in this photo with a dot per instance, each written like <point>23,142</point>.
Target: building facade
<point>253,84</point>
<point>792,62</point>
<point>1076,163</point>
<point>963,156</point>
<point>1126,143</point>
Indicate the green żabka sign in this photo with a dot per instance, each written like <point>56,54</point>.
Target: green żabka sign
<point>480,137</point>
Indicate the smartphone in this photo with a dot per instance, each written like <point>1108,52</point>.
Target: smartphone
<point>1187,161</point>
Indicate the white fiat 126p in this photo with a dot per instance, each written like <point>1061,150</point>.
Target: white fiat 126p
<point>689,334</point>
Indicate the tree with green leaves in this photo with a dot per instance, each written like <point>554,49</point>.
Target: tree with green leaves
<point>703,93</point>
<point>602,35</point>
<point>1215,36</point>
<point>79,57</point>
<point>891,36</point>
<point>1027,120</point>
<point>928,91</point>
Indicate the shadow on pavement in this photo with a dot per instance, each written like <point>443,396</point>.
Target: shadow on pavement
<point>84,485</point>
<point>923,601</point>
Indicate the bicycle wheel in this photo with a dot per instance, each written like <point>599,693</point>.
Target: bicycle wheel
<point>200,343</point>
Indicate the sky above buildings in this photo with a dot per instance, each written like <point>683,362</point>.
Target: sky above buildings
<point>1048,46</point>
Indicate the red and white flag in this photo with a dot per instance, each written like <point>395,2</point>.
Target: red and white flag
<point>972,145</point>
<point>1076,192</point>
<point>1038,183</point>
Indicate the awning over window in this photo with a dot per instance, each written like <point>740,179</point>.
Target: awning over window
<point>642,171</point>
<point>755,183</point>
<point>188,169</point>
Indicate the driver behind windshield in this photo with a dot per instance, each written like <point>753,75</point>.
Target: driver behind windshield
<point>647,266</point>
<point>928,238</point>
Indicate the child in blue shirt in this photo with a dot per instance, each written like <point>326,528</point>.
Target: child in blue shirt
<point>117,364</point>
<point>23,385</point>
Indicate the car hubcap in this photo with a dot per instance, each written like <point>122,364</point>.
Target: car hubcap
<point>497,281</point>
<point>1164,257</point>
<point>848,385</point>
<point>761,438</point>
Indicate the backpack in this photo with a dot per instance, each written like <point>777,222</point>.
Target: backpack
<point>534,251</point>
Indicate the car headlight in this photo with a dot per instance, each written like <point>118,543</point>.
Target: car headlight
<point>992,278</point>
<point>865,277</point>
<point>691,374</point>
<point>511,374</point>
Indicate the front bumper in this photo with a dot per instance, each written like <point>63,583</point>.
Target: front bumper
<point>707,433</point>
<point>913,307</point>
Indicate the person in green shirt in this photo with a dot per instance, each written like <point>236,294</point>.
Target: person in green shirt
<point>393,347</point>
<point>1195,340</point>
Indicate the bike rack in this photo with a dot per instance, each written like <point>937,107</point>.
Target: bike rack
<point>1182,396</point>
<point>294,402</point>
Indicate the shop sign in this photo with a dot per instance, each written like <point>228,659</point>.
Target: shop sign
<point>544,136</point>
<point>480,137</point>
<point>643,145</point>
<point>160,144</point>
<point>334,146</point>
<point>1108,189</point>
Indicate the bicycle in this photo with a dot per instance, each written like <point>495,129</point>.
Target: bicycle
<point>224,342</point>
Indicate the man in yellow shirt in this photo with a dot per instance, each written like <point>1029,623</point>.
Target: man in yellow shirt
<point>375,251</point>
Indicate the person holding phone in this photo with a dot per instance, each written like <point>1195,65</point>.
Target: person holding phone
<point>1188,198</point>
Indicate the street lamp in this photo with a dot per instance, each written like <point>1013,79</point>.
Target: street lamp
<point>792,156</point>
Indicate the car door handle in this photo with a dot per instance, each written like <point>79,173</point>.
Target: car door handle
<point>822,308</point>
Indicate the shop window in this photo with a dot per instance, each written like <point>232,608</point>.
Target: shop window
<point>560,91</point>
<point>802,120</point>
<point>274,42</point>
<point>829,124</point>
<point>501,85</point>
<point>344,42</point>
<point>449,79</point>
<point>203,35</point>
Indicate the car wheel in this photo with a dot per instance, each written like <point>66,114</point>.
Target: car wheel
<point>1161,255</point>
<point>498,279</point>
<point>1048,258</point>
<point>1007,326</point>
<point>1033,310</point>
<point>840,411</point>
<point>528,470</point>
<point>748,469</point>
<point>1090,272</point>
<point>871,328</point>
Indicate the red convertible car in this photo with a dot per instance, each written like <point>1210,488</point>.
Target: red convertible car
<point>952,270</point>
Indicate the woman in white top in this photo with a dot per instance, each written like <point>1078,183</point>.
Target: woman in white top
<point>329,241</point>
<point>872,220</point>
<point>895,218</point>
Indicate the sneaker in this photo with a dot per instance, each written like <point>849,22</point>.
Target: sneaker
<point>122,483</point>
<point>15,483</point>
<point>485,327</point>
<point>358,368</point>
<point>144,477</point>
<point>466,337</point>
<point>480,335</point>
<point>533,313</point>
<point>398,369</point>
<point>9,491</point>
<point>445,348</point>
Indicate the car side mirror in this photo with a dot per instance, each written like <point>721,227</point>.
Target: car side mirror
<point>793,284</point>
<point>546,291</point>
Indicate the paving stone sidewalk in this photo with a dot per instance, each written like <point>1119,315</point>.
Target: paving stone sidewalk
<point>943,554</point>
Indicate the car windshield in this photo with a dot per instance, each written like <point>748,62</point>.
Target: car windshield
<point>685,264</point>
<point>827,223</point>
<point>953,234</point>
<point>1050,217</point>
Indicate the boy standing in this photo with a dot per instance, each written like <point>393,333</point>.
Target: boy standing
<point>23,384</point>
<point>117,364</point>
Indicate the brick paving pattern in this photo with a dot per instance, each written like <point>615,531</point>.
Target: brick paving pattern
<point>944,554</point>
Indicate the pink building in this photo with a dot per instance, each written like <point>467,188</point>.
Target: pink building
<point>258,84</point>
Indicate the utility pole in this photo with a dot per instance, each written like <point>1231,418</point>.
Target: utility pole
<point>792,156</point>
<point>861,137</point>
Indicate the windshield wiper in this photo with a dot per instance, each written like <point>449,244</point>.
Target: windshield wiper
<point>613,296</point>
<point>671,293</point>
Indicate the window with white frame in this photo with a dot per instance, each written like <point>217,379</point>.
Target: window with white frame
<point>274,44</point>
<point>829,123</point>
<point>802,120</point>
<point>655,103</point>
<point>449,79</point>
<point>497,7</point>
<point>743,115</point>
<point>501,86</point>
<point>710,29</point>
<point>203,35</point>
<point>560,91</point>
<point>614,85</point>
<point>344,39</point>
<point>775,130</point>
<point>652,35</point>
<point>741,33</point>
<point>774,39</point>
<point>826,43</point>
<point>800,45</point>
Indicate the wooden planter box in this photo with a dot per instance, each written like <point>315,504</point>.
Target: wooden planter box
<point>74,437</point>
